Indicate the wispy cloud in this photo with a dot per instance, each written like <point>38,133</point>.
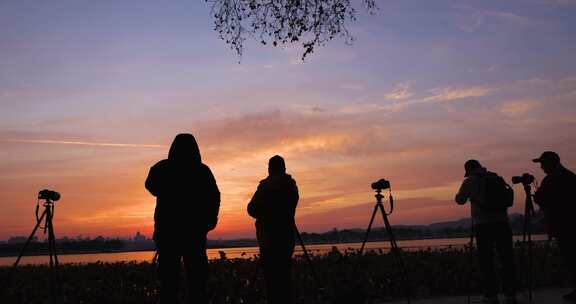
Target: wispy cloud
<point>82,143</point>
<point>480,14</point>
<point>400,92</point>
<point>518,107</point>
<point>475,18</point>
<point>507,16</point>
<point>451,94</point>
<point>474,24</point>
<point>403,93</point>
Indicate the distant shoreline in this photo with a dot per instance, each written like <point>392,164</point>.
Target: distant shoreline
<point>255,245</point>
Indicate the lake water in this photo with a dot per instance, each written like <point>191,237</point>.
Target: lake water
<point>243,252</point>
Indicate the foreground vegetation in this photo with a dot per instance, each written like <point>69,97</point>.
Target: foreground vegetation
<point>345,276</point>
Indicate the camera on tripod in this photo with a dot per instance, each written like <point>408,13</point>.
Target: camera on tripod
<point>524,179</point>
<point>48,195</point>
<point>380,185</point>
<point>44,222</point>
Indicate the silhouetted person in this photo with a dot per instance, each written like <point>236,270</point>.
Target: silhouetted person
<point>492,231</point>
<point>187,204</point>
<point>274,206</point>
<point>556,199</point>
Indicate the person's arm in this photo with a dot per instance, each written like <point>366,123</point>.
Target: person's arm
<point>541,193</point>
<point>213,200</point>
<point>152,185</point>
<point>156,234</point>
<point>255,204</point>
<point>464,193</point>
<point>152,182</point>
<point>294,198</point>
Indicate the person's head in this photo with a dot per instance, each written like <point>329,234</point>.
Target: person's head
<point>184,149</point>
<point>470,166</point>
<point>549,161</point>
<point>276,165</point>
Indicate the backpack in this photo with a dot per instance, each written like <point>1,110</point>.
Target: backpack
<point>498,194</point>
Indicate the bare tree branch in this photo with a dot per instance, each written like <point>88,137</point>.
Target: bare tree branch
<point>310,23</point>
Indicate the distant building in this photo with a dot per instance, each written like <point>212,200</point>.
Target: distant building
<point>138,238</point>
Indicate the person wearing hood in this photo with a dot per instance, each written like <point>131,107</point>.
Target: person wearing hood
<point>273,205</point>
<point>187,205</point>
<point>555,196</point>
<point>492,231</point>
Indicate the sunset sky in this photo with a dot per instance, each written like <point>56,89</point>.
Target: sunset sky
<point>93,92</point>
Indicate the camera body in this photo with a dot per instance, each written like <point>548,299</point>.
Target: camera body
<point>49,195</point>
<point>524,179</point>
<point>381,184</point>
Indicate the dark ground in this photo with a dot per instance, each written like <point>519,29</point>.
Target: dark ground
<point>433,273</point>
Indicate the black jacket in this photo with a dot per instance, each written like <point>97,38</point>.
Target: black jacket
<point>187,197</point>
<point>556,198</point>
<point>273,205</point>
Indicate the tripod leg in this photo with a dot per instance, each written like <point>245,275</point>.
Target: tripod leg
<point>52,237</point>
<point>396,252</point>
<point>57,295</point>
<point>306,255</point>
<point>304,250</point>
<point>368,229</point>
<point>29,239</point>
<point>389,229</point>
<point>527,238</point>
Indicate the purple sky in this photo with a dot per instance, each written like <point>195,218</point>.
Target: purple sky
<point>93,92</point>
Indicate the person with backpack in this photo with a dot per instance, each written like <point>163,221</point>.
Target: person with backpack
<point>273,205</point>
<point>490,197</point>
<point>556,199</point>
<point>187,205</point>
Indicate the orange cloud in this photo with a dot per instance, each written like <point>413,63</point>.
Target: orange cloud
<point>451,94</point>
<point>400,92</point>
<point>519,107</point>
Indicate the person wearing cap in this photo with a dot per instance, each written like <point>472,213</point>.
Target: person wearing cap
<point>492,231</point>
<point>273,205</point>
<point>555,196</point>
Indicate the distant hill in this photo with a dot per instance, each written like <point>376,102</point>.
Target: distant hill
<point>464,223</point>
<point>448,229</point>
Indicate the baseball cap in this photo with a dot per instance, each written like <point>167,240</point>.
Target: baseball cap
<point>547,156</point>
<point>470,166</point>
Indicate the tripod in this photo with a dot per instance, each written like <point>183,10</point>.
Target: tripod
<point>393,245</point>
<point>527,236</point>
<point>48,227</point>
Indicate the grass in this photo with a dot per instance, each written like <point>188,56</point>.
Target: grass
<point>335,275</point>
